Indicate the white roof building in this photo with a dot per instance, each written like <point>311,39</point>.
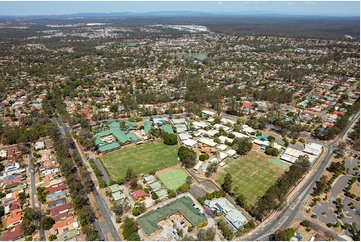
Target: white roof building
<point>189,142</point>
<point>291,155</point>
<point>219,126</point>
<point>313,149</point>
<point>184,136</point>
<point>222,147</point>
<point>208,142</point>
<point>198,125</point>
<point>233,215</point>
<point>231,152</point>
<point>222,155</point>
<point>39,145</point>
<point>209,113</point>
<point>179,121</point>
<point>226,121</point>
<point>199,164</point>
<point>247,129</point>
<point>3,153</point>
<point>223,139</point>
<point>240,135</point>
<point>210,133</point>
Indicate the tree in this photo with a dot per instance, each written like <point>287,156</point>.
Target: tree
<point>31,220</point>
<point>226,231</point>
<point>242,145</point>
<point>47,222</point>
<point>169,139</point>
<point>227,184</point>
<point>321,186</point>
<point>130,229</point>
<point>118,209</point>
<point>271,151</point>
<point>189,180</point>
<point>172,194</point>
<point>187,156</point>
<point>284,235</point>
<point>154,196</point>
<point>184,188</point>
<point>130,174</point>
<point>241,200</point>
<point>206,235</point>
<point>138,209</point>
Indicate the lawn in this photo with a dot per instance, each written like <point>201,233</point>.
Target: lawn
<point>143,158</point>
<point>252,175</point>
<point>173,179</point>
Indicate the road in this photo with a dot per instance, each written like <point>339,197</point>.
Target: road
<point>104,210</point>
<point>292,210</point>
<point>33,189</point>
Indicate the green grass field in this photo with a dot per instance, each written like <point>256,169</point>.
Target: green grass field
<point>281,164</point>
<point>252,175</point>
<point>142,158</point>
<point>173,179</point>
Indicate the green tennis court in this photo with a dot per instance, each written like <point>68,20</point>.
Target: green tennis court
<point>173,179</point>
<point>280,164</point>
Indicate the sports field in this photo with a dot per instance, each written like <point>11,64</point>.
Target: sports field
<point>172,179</point>
<point>252,175</point>
<point>143,158</point>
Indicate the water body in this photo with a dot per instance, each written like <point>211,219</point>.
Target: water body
<point>199,56</point>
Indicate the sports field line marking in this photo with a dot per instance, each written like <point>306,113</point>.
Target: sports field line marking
<point>253,173</point>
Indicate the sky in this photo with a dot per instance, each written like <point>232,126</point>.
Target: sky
<point>340,8</point>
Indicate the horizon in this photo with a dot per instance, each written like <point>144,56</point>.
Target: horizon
<point>54,8</point>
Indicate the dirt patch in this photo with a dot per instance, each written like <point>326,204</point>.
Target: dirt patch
<point>169,168</point>
<point>308,233</point>
<point>355,189</point>
<point>94,205</point>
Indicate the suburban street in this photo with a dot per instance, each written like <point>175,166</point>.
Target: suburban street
<point>291,211</point>
<point>108,225</point>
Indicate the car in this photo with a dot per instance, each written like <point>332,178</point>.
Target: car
<point>25,186</point>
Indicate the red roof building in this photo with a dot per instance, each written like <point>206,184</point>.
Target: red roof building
<point>13,234</point>
<point>60,209</point>
<point>14,150</point>
<point>138,194</point>
<point>55,189</point>
<point>15,205</point>
<point>247,105</point>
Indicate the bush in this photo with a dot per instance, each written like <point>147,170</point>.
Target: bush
<point>203,224</point>
<point>184,188</point>
<point>293,141</point>
<point>172,194</point>
<point>203,157</point>
<point>302,140</point>
<point>102,183</point>
<point>306,223</point>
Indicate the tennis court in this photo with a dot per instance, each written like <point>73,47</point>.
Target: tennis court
<point>172,179</point>
<point>183,206</point>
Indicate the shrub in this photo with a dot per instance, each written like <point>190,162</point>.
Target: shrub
<point>203,157</point>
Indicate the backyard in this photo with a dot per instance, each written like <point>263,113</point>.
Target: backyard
<point>252,174</point>
<point>143,158</point>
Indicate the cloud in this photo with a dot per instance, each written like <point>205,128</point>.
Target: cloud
<point>219,3</point>
<point>309,3</point>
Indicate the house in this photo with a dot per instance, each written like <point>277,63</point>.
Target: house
<point>138,194</point>
<point>56,189</point>
<point>233,215</point>
<point>57,202</point>
<point>14,219</point>
<point>13,234</point>
<point>39,145</point>
<point>63,226</point>
<point>60,209</point>
<point>13,151</point>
